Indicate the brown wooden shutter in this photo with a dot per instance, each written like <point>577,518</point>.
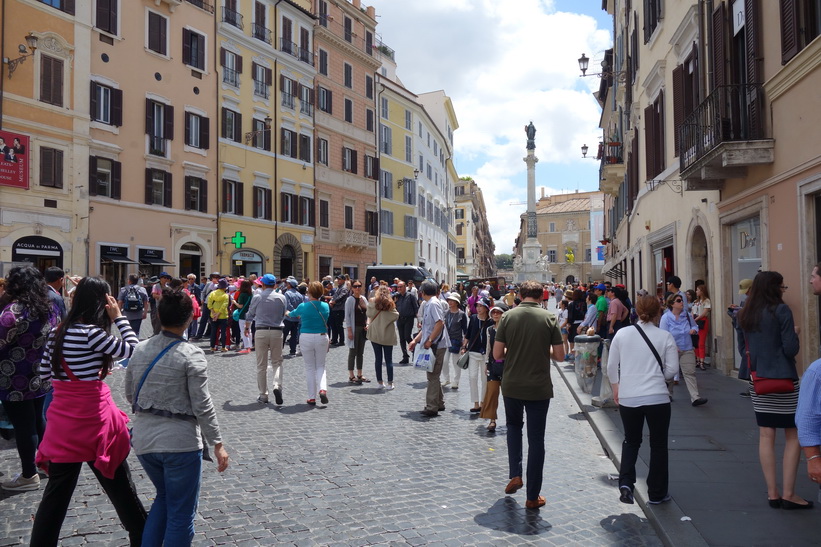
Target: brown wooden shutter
<point>68,6</point>
<point>311,212</point>
<point>167,190</point>
<point>239,64</point>
<point>237,127</point>
<point>116,179</point>
<point>259,14</point>
<point>282,79</point>
<point>58,168</point>
<point>205,133</point>
<point>354,163</point>
<point>649,147</point>
<point>149,187</point>
<point>678,104</point>
<point>268,198</point>
<point>149,117</point>
<point>719,38</point>
<point>330,102</point>
<point>223,53</point>
<point>117,107</point>
<point>240,208</point>
<point>92,175</point>
<point>187,204</point>
<point>254,70</point>
<point>202,206</point>
<point>93,100</point>
<point>225,185</point>
<point>187,119</point>
<point>186,46</point>
<point>266,139</point>
<point>300,216</point>
<point>294,152</point>
<point>269,76</point>
<point>168,122</point>
<point>751,24</point>
<point>661,158</point>
<point>163,30</point>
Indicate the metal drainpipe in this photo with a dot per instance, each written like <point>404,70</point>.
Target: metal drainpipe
<point>2,56</point>
<point>702,65</point>
<point>218,243</point>
<point>273,141</point>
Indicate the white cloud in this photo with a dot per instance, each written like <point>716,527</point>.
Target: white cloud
<point>503,63</point>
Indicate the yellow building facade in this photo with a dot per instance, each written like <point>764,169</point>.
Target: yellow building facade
<point>398,223</point>
<point>266,142</point>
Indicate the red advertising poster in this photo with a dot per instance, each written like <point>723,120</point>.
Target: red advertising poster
<point>14,160</point>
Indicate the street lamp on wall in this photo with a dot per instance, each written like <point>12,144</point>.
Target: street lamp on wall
<point>31,42</point>
<point>251,134</point>
<point>584,150</point>
<point>584,62</point>
<point>402,181</point>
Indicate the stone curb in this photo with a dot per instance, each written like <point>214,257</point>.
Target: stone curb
<point>665,518</point>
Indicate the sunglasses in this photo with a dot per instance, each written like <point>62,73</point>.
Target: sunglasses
<point>357,286</point>
<point>678,300</point>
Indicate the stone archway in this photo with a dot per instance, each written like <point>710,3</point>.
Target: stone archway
<point>699,264</point>
<point>288,257</point>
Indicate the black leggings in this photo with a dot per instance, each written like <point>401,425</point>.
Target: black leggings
<point>62,480</point>
<point>29,426</point>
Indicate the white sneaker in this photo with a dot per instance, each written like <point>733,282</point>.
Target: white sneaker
<point>390,387</point>
<point>22,484</point>
<point>446,384</point>
<point>381,385</point>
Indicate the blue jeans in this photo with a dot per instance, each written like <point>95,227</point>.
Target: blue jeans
<point>28,419</point>
<point>536,424</point>
<point>292,328</point>
<point>176,475</point>
<point>378,351</point>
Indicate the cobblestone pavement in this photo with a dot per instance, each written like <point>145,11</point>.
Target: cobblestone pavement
<point>365,470</point>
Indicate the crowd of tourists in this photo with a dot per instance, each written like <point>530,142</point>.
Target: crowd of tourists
<point>62,348</point>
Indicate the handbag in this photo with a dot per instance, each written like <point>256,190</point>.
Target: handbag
<point>323,320</point>
<point>495,369</point>
<point>235,315</point>
<point>693,337</point>
<point>424,359</point>
<point>766,386</point>
<point>463,361</point>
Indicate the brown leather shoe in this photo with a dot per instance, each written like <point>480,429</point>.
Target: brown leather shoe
<point>535,504</point>
<point>514,484</point>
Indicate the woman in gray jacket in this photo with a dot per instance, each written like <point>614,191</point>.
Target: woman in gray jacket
<point>173,413</point>
<point>768,343</point>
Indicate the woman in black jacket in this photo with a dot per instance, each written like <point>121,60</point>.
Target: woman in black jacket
<point>768,342</point>
<point>576,310</point>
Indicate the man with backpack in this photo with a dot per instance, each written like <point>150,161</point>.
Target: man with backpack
<point>134,303</point>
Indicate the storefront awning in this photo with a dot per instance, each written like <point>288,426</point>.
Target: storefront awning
<point>155,262</point>
<point>117,259</point>
<point>616,271</point>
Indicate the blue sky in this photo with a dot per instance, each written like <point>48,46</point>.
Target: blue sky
<point>504,63</point>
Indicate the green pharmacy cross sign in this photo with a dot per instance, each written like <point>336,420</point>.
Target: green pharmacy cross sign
<point>238,240</point>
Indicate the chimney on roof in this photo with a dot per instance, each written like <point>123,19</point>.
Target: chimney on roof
<point>542,192</point>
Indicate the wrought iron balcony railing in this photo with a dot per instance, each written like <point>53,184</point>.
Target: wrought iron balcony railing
<point>232,17</point>
<point>731,113</point>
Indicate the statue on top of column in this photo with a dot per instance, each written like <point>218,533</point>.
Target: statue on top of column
<point>530,129</point>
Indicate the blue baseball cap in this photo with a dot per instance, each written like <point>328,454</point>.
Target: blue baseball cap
<point>601,287</point>
<point>269,279</point>
<point>165,274</point>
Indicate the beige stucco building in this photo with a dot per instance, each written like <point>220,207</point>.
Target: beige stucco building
<point>44,127</point>
<point>567,235</point>
<point>474,246</point>
<point>152,164</point>
<point>717,180</point>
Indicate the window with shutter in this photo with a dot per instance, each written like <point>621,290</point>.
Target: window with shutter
<point>348,110</point>
<point>51,80</point>
<point>790,30</point>
<point>106,16</point>
<point>369,120</point>
<point>305,148</point>
<point>348,217</point>
<point>51,167</point>
<point>157,33</point>
<point>719,33</point>
<point>323,62</point>
<point>324,213</point>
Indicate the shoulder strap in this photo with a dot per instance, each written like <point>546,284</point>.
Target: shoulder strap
<point>134,406</point>
<point>652,347</point>
<point>319,311</point>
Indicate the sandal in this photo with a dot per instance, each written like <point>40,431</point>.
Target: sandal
<point>361,379</point>
<point>492,425</point>
<point>353,380</point>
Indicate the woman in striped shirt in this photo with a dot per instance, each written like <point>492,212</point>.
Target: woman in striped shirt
<point>84,424</point>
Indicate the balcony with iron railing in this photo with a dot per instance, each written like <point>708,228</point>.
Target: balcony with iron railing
<point>724,135</point>
<point>385,50</point>
<point>203,5</point>
<point>306,108</point>
<point>304,55</point>
<point>260,32</point>
<point>262,89</point>
<point>230,76</point>
<point>232,18</point>
<point>288,100</point>
<point>612,169</point>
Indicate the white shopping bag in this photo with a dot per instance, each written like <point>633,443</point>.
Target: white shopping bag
<point>423,358</point>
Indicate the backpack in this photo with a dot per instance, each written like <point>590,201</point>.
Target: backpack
<point>133,299</point>
<point>579,310</point>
